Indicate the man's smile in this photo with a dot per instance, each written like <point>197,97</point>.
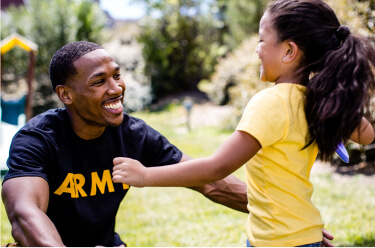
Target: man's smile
<point>114,105</point>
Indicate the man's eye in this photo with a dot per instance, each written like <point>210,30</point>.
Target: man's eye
<point>99,82</point>
<point>117,76</point>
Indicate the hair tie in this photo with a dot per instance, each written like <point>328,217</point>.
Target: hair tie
<point>342,32</point>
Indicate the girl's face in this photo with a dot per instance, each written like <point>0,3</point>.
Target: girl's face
<point>270,51</point>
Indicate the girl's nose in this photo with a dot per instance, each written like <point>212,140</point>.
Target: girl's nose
<point>257,48</point>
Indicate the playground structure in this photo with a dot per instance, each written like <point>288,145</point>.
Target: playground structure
<point>15,112</point>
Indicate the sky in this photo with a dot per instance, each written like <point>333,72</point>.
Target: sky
<point>122,9</point>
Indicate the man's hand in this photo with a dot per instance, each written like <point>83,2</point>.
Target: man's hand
<point>128,171</point>
<point>326,237</point>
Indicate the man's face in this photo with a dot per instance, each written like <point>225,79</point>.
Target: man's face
<point>97,91</point>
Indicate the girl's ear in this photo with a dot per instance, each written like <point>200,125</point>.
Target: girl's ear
<point>291,52</point>
<point>63,93</point>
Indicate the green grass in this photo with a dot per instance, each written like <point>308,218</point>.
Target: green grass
<point>347,208</point>
<point>182,217</point>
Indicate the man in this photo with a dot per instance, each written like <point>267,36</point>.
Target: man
<point>59,189</point>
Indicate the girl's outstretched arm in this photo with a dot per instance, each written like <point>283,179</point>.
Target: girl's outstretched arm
<point>364,134</point>
<point>236,151</point>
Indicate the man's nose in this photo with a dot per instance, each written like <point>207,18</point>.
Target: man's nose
<point>116,87</point>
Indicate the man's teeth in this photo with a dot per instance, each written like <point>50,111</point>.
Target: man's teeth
<point>113,105</point>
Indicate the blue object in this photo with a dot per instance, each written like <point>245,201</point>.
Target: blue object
<point>11,109</point>
<point>343,153</point>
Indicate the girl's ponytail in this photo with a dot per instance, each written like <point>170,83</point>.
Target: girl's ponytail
<point>339,94</point>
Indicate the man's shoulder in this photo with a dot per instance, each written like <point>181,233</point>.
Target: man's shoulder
<point>138,128</point>
<point>51,115</point>
<point>133,123</point>
<point>53,119</point>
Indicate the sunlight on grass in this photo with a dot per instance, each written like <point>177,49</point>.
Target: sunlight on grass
<point>178,217</point>
<point>347,208</point>
<point>173,217</point>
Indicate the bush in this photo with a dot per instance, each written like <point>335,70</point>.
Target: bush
<point>181,45</point>
<point>137,96</point>
<point>236,78</point>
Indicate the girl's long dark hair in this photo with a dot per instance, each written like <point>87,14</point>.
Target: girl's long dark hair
<point>337,68</point>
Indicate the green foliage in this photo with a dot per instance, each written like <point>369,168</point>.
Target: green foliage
<point>49,24</point>
<point>174,47</point>
<point>182,46</point>
<point>167,51</point>
<point>358,15</point>
<point>241,19</point>
<point>16,61</point>
<point>91,21</point>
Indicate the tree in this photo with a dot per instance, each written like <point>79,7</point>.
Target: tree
<point>240,19</point>
<point>183,43</point>
<point>172,46</point>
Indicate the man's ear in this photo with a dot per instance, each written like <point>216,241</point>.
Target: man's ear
<point>291,52</point>
<point>63,93</point>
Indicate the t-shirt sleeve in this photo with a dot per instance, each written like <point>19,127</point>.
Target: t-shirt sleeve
<point>27,156</point>
<point>158,150</point>
<point>265,118</point>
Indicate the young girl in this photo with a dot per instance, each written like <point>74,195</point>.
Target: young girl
<point>323,78</point>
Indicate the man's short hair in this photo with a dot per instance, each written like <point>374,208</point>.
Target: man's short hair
<point>62,66</point>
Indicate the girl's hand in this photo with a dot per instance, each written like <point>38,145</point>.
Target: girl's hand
<point>326,239</point>
<point>128,171</point>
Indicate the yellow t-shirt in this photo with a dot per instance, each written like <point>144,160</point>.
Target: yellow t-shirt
<point>279,190</point>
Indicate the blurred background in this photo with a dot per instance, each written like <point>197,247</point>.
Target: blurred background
<point>190,68</point>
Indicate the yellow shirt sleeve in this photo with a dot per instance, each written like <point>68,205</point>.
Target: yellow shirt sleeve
<point>265,118</point>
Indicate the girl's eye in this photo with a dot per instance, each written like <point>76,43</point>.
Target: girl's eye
<point>117,76</point>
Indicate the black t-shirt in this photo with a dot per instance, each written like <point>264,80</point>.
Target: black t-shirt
<point>83,200</point>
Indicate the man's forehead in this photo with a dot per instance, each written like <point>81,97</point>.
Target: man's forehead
<point>94,60</point>
<point>97,54</point>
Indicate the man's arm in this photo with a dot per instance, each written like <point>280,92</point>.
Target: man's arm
<point>26,201</point>
<point>364,133</point>
<point>230,191</point>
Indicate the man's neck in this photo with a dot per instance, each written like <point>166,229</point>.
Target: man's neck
<point>83,129</point>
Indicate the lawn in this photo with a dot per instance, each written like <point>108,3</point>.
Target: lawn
<point>182,217</point>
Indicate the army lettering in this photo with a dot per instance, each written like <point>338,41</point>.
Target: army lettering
<point>73,184</point>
